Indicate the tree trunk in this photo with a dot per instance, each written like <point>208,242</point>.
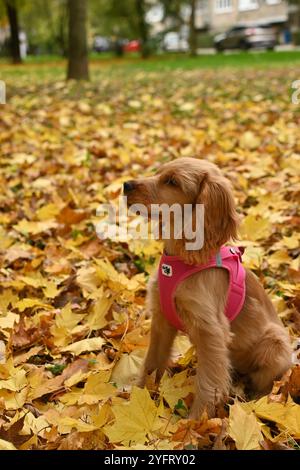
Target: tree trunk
<point>12,14</point>
<point>143,27</point>
<point>78,51</point>
<point>193,32</point>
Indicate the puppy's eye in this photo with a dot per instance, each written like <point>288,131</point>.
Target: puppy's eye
<point>171,181</point>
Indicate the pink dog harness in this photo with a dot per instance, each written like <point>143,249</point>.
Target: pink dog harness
<point>172,271</point>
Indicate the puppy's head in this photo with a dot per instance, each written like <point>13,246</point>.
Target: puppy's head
<point>191,181</point>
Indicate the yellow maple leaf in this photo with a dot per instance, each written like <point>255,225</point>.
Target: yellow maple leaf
<point>72,397</point>
<point>16,382</point>
<point>35,425</point>
<point>13,400</point>
<point>118,281</point>
<point>29,303</point>
<point>253,257</point>
<point>183,351</point>
<point>33,228</point>
<point>102,417</point>
<point>249,140</point>
<point>50,289</point>
<point>5,445</point>
<point>96,318</point>
<point>67,318</point>
<point>79,376</point>
<point>7,298</point>
<point>66,424</point>
<point>146,247</point>
<point>287,288</point>
<point>285,415</point>
<point>97,388</point>
<point>291,242</point>
<point>175,388</point>
<point>136,420</point>
<point>87,279</point>
<point>35,280</point>
<point>65,323</point>
<point>295,264</point>
<point>9,320</point>
<point>49,211</point>
<point>244,428</point>
<point>91,344</point>
<point>128,367</point>
<point>5,240</point>
<point>255,228</point>
<point>278,258</point>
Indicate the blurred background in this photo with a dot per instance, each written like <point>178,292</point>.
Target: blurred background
<point>40,30</point>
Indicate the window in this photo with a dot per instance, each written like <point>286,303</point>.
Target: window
<point>223,6</point>
<point>245,5</point>
<point>273,2</point>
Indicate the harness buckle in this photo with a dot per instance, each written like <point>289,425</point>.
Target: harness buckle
<point>167,270</point>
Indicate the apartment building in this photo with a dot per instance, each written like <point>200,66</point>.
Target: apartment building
<point>219,15</point>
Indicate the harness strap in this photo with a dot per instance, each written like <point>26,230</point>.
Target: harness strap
<point>173,270</point>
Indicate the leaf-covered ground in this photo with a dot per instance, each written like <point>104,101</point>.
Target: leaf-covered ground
<point>73,331</point>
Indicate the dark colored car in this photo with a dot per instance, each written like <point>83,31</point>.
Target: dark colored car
<point>246,37</point>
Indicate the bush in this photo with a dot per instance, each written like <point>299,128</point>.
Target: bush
<point>296,38</point>
<point>5,49</point>
<point>205,40</point>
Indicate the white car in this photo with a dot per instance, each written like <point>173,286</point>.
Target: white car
<point>173,42</point>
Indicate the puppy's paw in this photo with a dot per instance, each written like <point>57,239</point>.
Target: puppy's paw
<point>199,408</point>
<point>207,407</point>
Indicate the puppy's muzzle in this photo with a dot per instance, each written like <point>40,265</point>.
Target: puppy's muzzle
<point>128,187</point>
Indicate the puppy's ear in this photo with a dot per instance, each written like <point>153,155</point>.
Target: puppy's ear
<point>220,217</point>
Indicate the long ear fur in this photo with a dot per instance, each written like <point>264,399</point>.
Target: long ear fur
<point>220,219</point>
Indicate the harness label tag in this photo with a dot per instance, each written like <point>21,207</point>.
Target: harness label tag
<point>166,269</point>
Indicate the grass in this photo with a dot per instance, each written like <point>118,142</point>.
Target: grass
<point>53,67</point>
<point>238,59</point>
<point>49,69</point>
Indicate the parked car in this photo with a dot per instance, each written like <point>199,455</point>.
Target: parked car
<point>102,44</point>
<point>173,42</point>
<point>132,46</point>
<point>246,37</point>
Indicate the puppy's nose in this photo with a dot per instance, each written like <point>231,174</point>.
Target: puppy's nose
<point>128,186</point>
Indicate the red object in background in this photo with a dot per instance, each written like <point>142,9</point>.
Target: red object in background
<point>132,46</point>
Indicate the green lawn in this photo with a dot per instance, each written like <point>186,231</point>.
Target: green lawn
<point>48,67</point>
<point>236,59</point>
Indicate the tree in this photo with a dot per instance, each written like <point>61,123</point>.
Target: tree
<point>78,50</point>
<point>172,11</point>
<point>182,14</point>
<point>294,18</point>
<point>143,27</point>
<point>123,20</point>
<point>12,14</point>
<point>57,22</point>
<point>192,29</point>
<point>46,26</point>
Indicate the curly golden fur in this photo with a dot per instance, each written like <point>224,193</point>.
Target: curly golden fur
<point>255,343</point>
